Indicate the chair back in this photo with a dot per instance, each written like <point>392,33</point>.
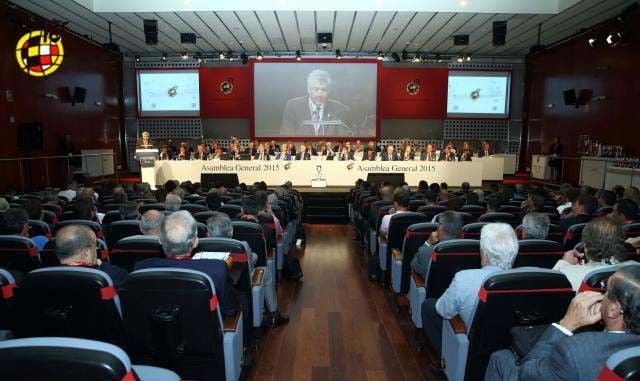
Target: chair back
<point>507,218</point>
<point>596,280</point>
<point>431,210</point>
<point>538,253</point>
<point>121,229</point>
<point>398,226</point>
<point>622,365</point>
<point>50,218</point>
<point>129,250</point>
<point>414,205</point>
<point>573,236</point>
<point>447,258</point>
<point>414,238</point>
<point>475,210</point>
<point>18,253</point>
<point>631,230</point>
<point>231,210</point>
<point>68,301</point>
<point>193,208</point>
<point>110,217</point>
<point>202,217</point>
<point>97,229</point>
<point>223,245</point>
<point>7,284</point>
<point>253,234</point>
<point>37,227</point>
<point>146,207</point>
<point>55,209</point>
<point>472,231</point>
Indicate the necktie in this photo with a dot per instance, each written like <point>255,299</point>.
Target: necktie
<point>316,119</point>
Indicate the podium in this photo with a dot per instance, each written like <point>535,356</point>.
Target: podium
<point>540,167</point>
<point>147,158</point>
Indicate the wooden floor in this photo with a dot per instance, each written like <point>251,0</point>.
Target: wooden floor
<point>342,325</point>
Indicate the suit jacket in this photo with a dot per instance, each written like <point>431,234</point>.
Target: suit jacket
<point>307,156</point>
<point>451,157</point>
<point>166,156</point>
<point>466,158</point>
<point>265,156</point>
<point>349,156</point>
<point>284,156</point>
<point>579,357</point>
<point>251,151</point>
<point>404,158</point>
<point>572,219</point>
<point>217,271</point>
<point>385,156</point>
<point>200,157</point>
<point>374,156</point>
<point>481,153</point>
<point>296,111</point>
<point>431,157</point>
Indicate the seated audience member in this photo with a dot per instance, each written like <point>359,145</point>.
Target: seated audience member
<point>85,209</point>
<point>633,194</point>
<point>213,199</point>
<point>520,193</point>
<point>447,155</point>
<point>535,226</point>
<point>492,204</point>
<point>603,246</point>
<point>119,195</point>
<point>498,250</point>
<point>262,153</point>
<point>400,205</point>
<point>624,212</point>
<point>389,154</point>
<point>567,196</point>
<point>219,226</point>
<point>454,203</point>
<point>371,155</point>
<point>534,203</point>
<point>303,154</point>
<point>69,191</point>
<point>129,211</point>
<point>606,198</point>
<point>34,209</point>
<point>480,194</point>
<point>486,150</point>
<point>16,222</point>
<point>76,246</point>
<point>429,154</point>
<point>449,227</point>
<point>619,191</point>
<point>179,236</point>
<point>563,354</point>
<point>472,198</point>
<point>4,205</point>
<point>581,211</point>
<point>172,203</point>
<point>150,222</point>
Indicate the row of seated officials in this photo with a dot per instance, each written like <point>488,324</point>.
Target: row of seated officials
<point>176,233</point>
<point>573,336</point>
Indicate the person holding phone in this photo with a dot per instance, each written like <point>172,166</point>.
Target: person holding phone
<point>563,354</point>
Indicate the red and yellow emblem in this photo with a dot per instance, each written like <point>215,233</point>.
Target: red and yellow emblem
<point>39,53</point>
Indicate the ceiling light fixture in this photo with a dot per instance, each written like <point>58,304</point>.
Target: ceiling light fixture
<point>298,55</point>
<point>380,56</point>
<point>184,55</point>
<point>259,56</point>
<point>137,58</point>
<point>338,54</point>
<point>164,57</point>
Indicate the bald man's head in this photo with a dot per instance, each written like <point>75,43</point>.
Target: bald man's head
<point>76,243</point>
<point>179,234</point>
<point>150,222</point>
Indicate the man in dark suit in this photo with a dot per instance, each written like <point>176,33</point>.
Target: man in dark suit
<point>303,154</point>
<point>201,154</point>
<point>486,150</point>
<point>389,154</point>
<point>315,108</point>
<point>447,155</point>
<point>581,211</point>
<point>429,154</point>
<point>562,354</point>
<point>262,153</point>
<point>179,236</point>
<point>371,155</point>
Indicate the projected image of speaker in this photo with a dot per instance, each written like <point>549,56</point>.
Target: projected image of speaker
<point>150,32</point>
<point>499,33</point>
<point>79,95</point>
<point>30,136</point>
<point>570,98</point>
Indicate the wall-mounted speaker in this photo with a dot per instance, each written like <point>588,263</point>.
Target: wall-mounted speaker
<point>570,97</point>
<point>461,39</point>
<point>150,32</point>
<point>79,95</point>
<point>499,33</point>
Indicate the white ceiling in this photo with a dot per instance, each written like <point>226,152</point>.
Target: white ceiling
<point>354,32</point>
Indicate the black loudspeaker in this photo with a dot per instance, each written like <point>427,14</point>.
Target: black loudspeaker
<point>187,38</point>
<point>30,136</point>
<point>570,97</point>
<point>227,180</point>
<point>325,38</point>
<point>461,39</point>
<point>150,32</point>
<point>395,179</point>
<point>499,33</point>
<point>79,94</point>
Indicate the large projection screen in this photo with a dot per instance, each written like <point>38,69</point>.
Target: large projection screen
<point>315,99</point>
<point>168,93</point>
<point>478,94</point>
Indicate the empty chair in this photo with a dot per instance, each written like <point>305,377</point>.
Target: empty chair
<point>143,208</point>
<point>539,296</point>
<point>93,225</point>
<point>127,251</point>
<point>202,217</point>
<point>475,210</point>
<point>573,236</point>
<point>230,210</point>
<point>431,210</point>
<point>414,237</point>
<point>172,319</point>
<point>121,229</point>
<point>68,301</point>
<point>193,208</point>
<point>507,218</point>
<point>37,227</point>
<point>447,258</point>
<point>111,216</point>
<point>472,231</point>
<point>631,230</point>
<point>70,359</point>
<point>18,253</point>
<point>622,365</point>
<point>7,284</point>
<point>538,253</point>
<point>414,205</point>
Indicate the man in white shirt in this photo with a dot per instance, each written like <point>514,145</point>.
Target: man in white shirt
<point>400,205</point>
<point>603,247</point>
<point>70,191</point>
<point>498,250</point>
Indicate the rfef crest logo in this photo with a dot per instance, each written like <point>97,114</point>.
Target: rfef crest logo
<point>39,53</point>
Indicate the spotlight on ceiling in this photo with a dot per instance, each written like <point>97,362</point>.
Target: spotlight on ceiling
<point>338,54</point>
<point>380,56</point>
<point>614,38</point>
<point>184,55</point>
<point>198,58</point>
<point>164,57</point>
<point>221,55</point>
<point>298,55</point>
<point>259,56</point>
<point>230,56</point>
<point>395,56</point>
<point>244,58</point>
<point>468,58</point>
<point>438,58</point>
<point>460,58</point>
<point>137,58</point>
<point>405,55</point>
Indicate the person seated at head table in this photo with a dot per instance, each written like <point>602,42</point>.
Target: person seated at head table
<point>447,155</point>
<point>200,153</point>
<point>407,154</point>
<point>182,154</point>
<point>303,154</point>
<point>164,153</point>
<point>429,154</point>
<point>262,153</point>
<point>389,154</point>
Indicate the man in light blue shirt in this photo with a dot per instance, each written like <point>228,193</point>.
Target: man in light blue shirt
<point>498,250</point>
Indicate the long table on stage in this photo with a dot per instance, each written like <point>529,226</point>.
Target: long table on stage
<point>336,173</point>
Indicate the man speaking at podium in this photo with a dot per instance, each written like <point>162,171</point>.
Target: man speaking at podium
<point>304,116</point>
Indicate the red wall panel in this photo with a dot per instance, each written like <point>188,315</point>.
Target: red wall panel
<point>92,126</point>
<point>429,103</point>
<point>216,104</point>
